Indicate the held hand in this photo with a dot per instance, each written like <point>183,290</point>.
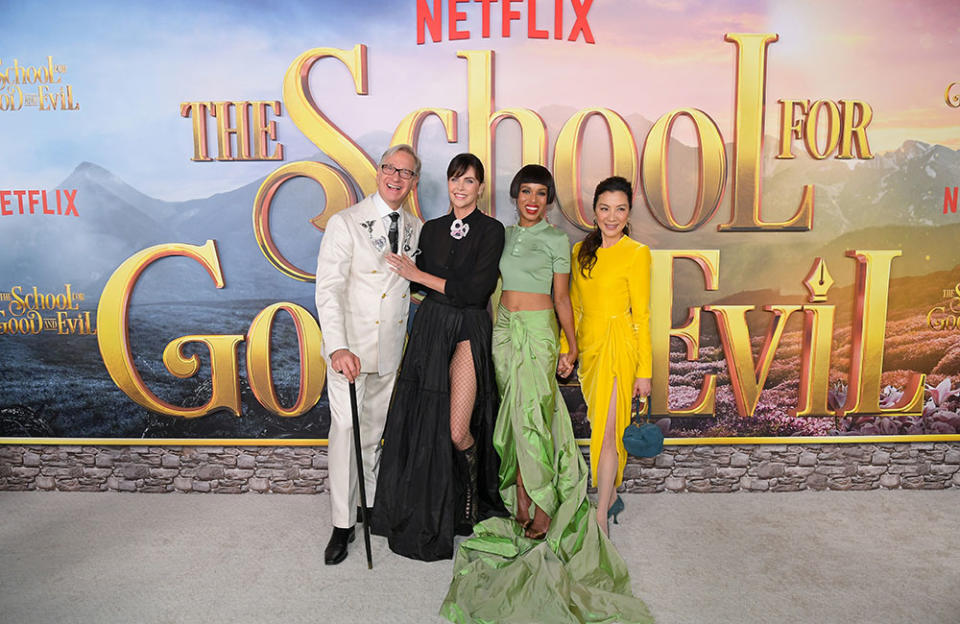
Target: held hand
<point>403,266</point>
<point>346,363</point>
<point>641,387</point>
<point>565,363</point>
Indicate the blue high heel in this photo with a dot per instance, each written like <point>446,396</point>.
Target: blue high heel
<point>615,509</point>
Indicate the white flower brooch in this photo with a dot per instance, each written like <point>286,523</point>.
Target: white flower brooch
<point>459,229</point>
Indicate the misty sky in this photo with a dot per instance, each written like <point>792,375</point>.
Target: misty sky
<point>130,64</point>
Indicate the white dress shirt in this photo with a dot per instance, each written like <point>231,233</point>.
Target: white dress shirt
<point>385,211</point>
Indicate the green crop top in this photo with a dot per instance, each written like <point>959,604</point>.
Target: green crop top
<point>531,255</point>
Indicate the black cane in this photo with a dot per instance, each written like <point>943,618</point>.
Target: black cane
<point>363,487</point>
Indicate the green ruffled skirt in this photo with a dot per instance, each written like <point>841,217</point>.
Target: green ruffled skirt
<point>575,574</point>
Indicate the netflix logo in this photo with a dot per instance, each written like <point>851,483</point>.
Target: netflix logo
<point>57,202</point>
<point>539,26</point>
<point>950,199</point>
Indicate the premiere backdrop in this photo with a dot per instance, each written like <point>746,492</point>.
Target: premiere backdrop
<point>168,170</point>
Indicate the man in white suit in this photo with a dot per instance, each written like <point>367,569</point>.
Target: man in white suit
<point>363,306</point>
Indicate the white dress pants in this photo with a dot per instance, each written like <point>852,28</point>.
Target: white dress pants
<point>373,400</point>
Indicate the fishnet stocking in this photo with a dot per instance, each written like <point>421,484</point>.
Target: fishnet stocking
<point>463,395</point>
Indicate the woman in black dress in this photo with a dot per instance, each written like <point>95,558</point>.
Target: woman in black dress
<point>438,471</point>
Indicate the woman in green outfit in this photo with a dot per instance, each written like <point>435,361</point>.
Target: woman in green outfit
<point>549,562</point>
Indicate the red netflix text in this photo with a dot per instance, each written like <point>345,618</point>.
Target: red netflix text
<point>457,10</point>
<point>950,199</point>
<point>56,202</point>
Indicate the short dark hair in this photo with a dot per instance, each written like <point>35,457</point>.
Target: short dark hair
<point>533,174</point>
<point>614,183</point>
<point>461,162</point>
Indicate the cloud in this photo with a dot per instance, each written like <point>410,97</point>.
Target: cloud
<point>132,64</point>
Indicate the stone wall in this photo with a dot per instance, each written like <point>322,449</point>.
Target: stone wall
<point>227,470</point>
<point>303,470</point>
<point>790,468</point>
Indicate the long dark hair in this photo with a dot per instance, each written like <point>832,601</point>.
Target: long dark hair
<point>587,256</point>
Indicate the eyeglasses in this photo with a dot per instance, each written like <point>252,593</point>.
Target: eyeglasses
<point>389,169</point>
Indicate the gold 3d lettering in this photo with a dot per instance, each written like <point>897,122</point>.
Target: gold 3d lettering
<point>747,375</point>
<point>114,342</point>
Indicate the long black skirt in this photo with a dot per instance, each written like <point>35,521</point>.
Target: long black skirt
<point>421,488</point>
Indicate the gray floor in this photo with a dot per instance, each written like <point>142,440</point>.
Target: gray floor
<point>852,557</point>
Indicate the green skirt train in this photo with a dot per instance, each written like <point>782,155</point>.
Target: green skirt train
<point>574,574</point>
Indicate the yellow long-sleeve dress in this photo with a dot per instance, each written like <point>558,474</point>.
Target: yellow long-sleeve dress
<point>611,310</point>
<point>574,575</point>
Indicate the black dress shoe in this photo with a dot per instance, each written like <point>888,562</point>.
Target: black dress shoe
<point>360,515</point>
<point>337,546</point>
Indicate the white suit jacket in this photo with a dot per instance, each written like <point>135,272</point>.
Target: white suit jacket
<point>362,304</point>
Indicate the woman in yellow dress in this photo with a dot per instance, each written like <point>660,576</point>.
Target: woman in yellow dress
<point>610,294</point>
<point>552,561</point>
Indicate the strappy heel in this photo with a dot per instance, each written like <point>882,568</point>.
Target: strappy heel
<point>615,509</point>
<point>538,532</point>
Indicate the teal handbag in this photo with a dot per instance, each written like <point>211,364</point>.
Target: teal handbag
<point>642,439</point>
